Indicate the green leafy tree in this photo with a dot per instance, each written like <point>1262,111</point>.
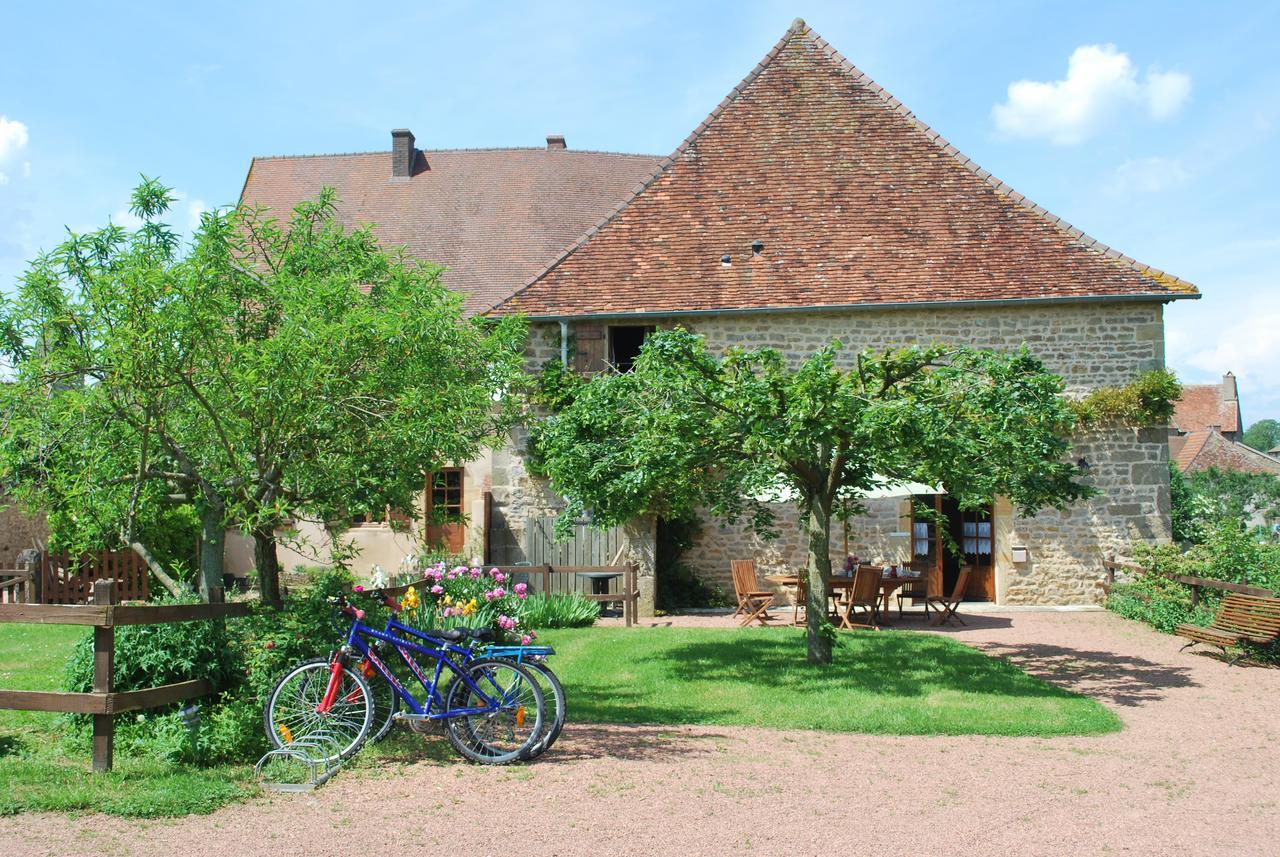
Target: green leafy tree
<point>1233,496</point>
<point>280,369</point>
<point>1263,435</point>
<point>687,429</point>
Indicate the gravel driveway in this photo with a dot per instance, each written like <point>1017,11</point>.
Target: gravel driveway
<point>1193,773</point>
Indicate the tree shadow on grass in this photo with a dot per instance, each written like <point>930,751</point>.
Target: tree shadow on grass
<point>881,662</point>
<point>1118,679</point>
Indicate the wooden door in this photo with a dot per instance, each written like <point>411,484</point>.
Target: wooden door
<point>977,541</point>
<point>926,546</point>
<point>445,525</point>
<point>971,531</point>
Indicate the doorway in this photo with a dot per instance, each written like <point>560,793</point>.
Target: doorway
<point>971,533</point>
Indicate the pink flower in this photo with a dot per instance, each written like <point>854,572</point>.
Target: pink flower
<point>437,589</point>
<point>498,592</point>
<point>506,623</point>
<point>522,589</point>
<point>526,640</point>
<point>488,595</point>
<point>357,588</point>
<point>460,569</point>
<point>497,575</point>
<point>475,573</point>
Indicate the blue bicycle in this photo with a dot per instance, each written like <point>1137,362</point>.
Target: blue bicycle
<point>493,709</point>
<point>386,700</point>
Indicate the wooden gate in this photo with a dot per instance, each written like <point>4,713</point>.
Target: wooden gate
<point>65,579</point>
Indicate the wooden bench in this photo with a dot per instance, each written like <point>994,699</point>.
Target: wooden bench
<point>1250,618</point>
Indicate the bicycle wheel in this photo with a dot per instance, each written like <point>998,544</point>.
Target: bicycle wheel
<point>505,734</point>
<point>553,693</point>
<point>291,715</point>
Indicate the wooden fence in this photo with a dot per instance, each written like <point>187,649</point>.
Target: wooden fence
<point>621,580</point>
<point>67,579</point>
<point>104,614</point>
<point>587,546</point>
<point>16,586</point>
<point>1112,565</point>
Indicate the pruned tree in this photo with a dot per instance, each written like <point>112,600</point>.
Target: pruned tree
<point>687,429</point>
<point>281,369</point>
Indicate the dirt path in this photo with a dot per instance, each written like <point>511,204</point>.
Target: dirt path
<point>1195,772</point>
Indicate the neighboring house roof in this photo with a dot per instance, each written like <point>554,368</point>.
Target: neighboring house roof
<point>1200,450</point>
<point>1204,406</point>
<point>492,217</point>
<point>856,201</point>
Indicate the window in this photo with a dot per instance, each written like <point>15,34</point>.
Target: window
<point>625,343</point>
<point>976,537</point>
<point>446,495</point>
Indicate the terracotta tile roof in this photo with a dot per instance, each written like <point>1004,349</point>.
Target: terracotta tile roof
<point>1201,450</point>
<point>493,217</point>
<point>856,201</point>
<point>1203,406</point>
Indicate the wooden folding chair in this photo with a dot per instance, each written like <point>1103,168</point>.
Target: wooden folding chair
<point>802,597</point>
<point>863,595</point>
<point>753,602</point>
<point>913,590</point>
<point>946,607</point>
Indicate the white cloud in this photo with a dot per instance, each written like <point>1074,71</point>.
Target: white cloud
<point>195,208</point>
<point>1102,84</point>
<point>1238,335</point>
<point>13,139</point>
<point>1149,175</point>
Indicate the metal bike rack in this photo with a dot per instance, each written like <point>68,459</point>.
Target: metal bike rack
<point>318,753</point>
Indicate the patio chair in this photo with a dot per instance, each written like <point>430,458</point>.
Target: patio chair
<point>863,595</point>
<point>802,597</point>
<point>916,589</point>
<point>753,602</point>
<point>946,607</point>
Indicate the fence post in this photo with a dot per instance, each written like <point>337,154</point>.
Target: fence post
<point>104,658</point>
<point>629,605</point>
<point>546,580</point>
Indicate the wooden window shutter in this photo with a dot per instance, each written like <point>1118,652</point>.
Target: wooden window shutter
<point>589,349</point>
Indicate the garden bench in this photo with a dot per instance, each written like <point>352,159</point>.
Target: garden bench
<point>1250,618</point>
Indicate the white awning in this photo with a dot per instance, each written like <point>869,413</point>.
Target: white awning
<point>783,493</point>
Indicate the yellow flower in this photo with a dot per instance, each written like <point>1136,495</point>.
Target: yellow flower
<point>448,599</point>
<point>410,599</point>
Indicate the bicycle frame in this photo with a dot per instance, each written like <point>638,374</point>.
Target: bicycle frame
<point>434,707</point>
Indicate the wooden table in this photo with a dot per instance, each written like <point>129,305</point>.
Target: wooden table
<point>888,586</point>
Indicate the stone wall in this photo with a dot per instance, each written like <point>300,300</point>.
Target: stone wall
<point>1088,344</point>
<point>18,532</point>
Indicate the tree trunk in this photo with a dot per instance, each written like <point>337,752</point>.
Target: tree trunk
<point>818,531</point>
<point>213,537</point>
<point>175,588</point>
<point>267,563</point>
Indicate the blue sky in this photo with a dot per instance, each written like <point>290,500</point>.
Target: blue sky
<point>1153,126</point>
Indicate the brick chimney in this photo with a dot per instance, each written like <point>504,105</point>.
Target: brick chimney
<point>556,141</point>
<point>403,154</point>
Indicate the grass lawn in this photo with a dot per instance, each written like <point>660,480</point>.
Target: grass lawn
<point>42,769</point>
<point>892,683</point>
<point>885,682</point>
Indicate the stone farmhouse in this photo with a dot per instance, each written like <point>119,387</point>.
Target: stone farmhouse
<point>1207,431</point>
<point>809,205</point>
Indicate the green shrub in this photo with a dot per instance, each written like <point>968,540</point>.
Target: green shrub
<point>153,655</point>
<point>559,611</point>
<point>243,658</point>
